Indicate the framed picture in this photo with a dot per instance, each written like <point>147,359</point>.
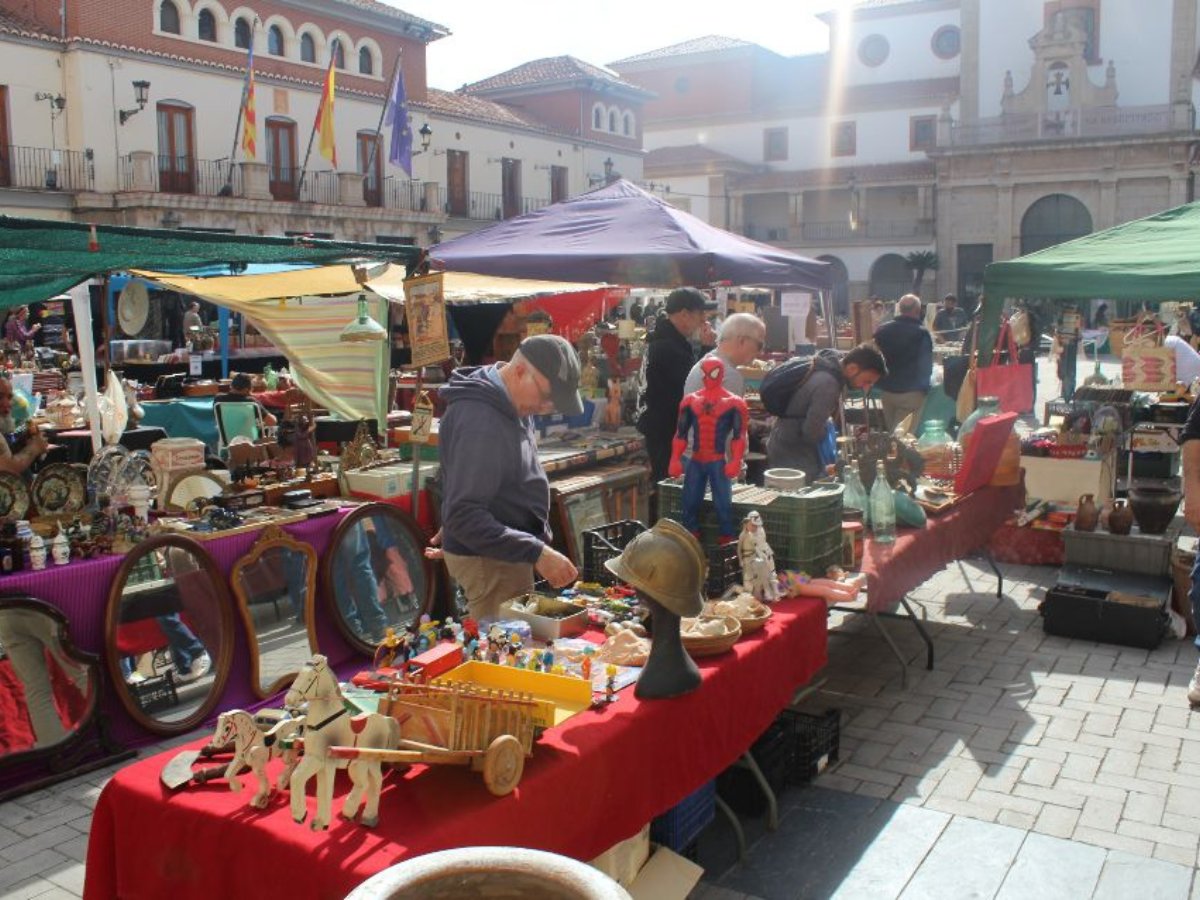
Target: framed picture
<point>425,307</point>
<point>580,512</point>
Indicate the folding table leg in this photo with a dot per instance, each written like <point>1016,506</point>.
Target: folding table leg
<point>874,617</point>
<point>991,561</point>
<point>772,803</point>
<point>738,832</point>
<point>921,631</point>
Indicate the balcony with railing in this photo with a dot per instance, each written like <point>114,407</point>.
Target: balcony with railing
<point>481,206</point>
<point>842,231</point>
<point>1070,123</point>
<point>43,169</point>
<point>182,175</point>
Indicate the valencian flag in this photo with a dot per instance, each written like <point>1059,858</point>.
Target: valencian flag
<point>249,127</point>
<point>324,123</point>
<point>396,115</point>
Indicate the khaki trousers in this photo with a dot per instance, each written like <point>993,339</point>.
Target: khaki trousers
<point>488,582</point>
<point>897,406</point>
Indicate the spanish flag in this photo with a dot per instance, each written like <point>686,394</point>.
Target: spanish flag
<point>249,126</point>
<point>324,123</point>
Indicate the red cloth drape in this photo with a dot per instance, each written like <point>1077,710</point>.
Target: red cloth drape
<point>591,782</point>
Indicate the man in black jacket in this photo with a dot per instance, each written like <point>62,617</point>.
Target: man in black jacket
<point>907,347</point>
<point>669,358</point>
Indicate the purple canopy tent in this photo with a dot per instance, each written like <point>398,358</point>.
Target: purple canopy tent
<point>623,235</point>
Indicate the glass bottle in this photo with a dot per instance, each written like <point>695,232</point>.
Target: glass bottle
<point>854,496</point>
<point>937,450</point>
<point>883,507</point>
<point>987,406</point>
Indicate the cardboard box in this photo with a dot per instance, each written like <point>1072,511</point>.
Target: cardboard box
<point>623,860</point>
<point>1066,480</point>
<point>388,481</point>
<point>665,876</point>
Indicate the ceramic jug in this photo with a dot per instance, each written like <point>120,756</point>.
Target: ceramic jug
<point>1120,520</point>
<point>1087,514</point>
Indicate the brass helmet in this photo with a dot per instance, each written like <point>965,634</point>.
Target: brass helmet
<point>667,564</point>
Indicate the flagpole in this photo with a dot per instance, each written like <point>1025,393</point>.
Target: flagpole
<point>382,115</point>
<point>313,134</point>
<point>227,188</point>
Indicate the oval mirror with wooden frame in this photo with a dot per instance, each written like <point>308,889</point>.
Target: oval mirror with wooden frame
<point>375,574</point>
<point>169,633</point>
<point>275,585</point>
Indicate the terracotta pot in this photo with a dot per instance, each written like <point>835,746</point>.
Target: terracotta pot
<point>1120,520</point>
<point>1154,507</point>
<point>1087,514</point>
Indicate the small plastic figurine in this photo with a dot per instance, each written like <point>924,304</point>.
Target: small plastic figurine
<point>713,417</point>
<point>385,653</point>
<point>470,649</point>
<point>548,657</point>
<point>610,683</point>
<point>520,659</point>
<point>585,665</point>
<point>757,559</point>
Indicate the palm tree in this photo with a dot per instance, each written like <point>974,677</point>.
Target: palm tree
<point>921,261</point>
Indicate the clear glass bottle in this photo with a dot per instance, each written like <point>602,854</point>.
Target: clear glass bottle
<point>883,507</point>
<point>854,496</point>
<point>937,450</point>
<point>986,406</point>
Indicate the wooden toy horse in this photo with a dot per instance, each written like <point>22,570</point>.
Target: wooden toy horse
<point>252,748</point>
<point>329,725</point>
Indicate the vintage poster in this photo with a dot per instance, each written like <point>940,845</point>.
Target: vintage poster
<point>425,307</point>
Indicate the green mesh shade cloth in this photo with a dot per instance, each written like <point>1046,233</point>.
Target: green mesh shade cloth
<point>39,258</point>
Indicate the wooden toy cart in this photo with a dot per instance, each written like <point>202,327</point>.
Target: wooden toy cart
<point>492,731</point>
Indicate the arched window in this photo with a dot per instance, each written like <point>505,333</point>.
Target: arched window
<point>308,48</point>
<point>241,33</point>
<point>275,40</point>
<point>890,278</point>
<point>168,17</point>
<point>1052,220</point>
<point>206,25</point>
<point>628,125</point>
<point>337,54</point>
<point>612,122</point>
<point>366,62</point>
<point>841,284</point>
<point>597,118</point>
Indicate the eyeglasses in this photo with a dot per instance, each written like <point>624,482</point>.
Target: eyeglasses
<point>545,394</point>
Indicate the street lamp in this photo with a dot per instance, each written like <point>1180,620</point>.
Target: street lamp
<point>141,93</point>
<point>426,133</point>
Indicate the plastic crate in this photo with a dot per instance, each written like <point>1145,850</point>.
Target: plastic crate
<point>816,741</point>
<point>678,828</point>
<point>1145,554</point>
<point>773,752</point>
<point>724,568</point>
<point>604,543</point>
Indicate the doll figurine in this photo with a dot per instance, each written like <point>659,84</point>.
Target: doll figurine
<point>757,559</point>
<point>838,588</point>
<point>712,417</point>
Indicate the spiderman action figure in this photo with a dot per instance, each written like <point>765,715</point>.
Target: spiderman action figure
<point>713,417</point>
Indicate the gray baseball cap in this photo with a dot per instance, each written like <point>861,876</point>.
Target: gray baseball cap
<point>555,358</point>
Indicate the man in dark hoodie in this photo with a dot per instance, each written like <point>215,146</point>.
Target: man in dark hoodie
<point>496,497</point>
<point>796,437</point>
<point>907,347</point>
<point>668,360</point>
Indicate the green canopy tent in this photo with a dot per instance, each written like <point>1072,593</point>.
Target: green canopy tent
<point>1155,258</point>
<point>41,258</point>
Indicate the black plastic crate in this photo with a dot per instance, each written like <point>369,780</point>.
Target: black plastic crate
<point>816,741</point>
<point>678,828</point>
<point>604,543</point>
<point>773,753</point>
<point>724,568</point>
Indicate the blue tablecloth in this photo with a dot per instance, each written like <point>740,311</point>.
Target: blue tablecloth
<point>186,417</point>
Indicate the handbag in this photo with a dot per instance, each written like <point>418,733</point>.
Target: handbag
<point>1145,365</point>
<point>1012,381</point>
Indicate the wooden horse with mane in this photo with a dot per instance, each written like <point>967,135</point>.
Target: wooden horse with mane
<point>252,749</point>
<point>329,725</point>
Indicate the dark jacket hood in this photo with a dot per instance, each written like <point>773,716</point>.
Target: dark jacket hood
<point>474,384</point>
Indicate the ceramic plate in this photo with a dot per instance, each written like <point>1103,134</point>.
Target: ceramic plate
<point>14,496</point>
<point>60,488</point>
<point>105,465</point>
<point>136,470</point>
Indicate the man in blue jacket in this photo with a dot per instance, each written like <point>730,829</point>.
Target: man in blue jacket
<point>907,347</point>
<point>496,497</point>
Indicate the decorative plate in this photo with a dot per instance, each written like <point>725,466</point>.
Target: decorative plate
<point>136,470</point>
<point>60,488</point>
<point>104,466</point>
<point>133,308</point>
<point>14,496</point>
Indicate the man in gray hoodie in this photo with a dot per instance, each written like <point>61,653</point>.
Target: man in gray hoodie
<point>495,494</point>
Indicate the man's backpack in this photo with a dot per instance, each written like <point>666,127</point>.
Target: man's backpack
<point>782,382</point>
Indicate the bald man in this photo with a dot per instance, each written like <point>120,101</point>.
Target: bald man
<point>907,347</point>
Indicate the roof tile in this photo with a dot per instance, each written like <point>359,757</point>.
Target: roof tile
<point>708,44</point>
<point>551,70</point>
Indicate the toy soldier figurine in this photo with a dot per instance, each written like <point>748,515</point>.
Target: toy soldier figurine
<point>757,559</point>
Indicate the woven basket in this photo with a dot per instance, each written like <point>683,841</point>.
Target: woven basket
<point>750,624</point>
<point>711,646</point>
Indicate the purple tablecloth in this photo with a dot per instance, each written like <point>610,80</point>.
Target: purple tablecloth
<point>80,590</point>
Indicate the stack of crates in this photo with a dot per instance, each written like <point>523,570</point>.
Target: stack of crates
<point>607,541</point>
<point>803,527</point>
<point>680,826</point>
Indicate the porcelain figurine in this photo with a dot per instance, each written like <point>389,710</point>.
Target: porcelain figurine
<point>317,686</point>
<point>712,425</point>
<point>757,559</point>
<point>60,548</point>
<point>37,552</point>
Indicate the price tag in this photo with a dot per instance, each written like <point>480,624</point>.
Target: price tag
<point>422,419</point>
<point>195,364</point>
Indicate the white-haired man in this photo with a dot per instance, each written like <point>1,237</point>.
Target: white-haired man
<point>907,347</point>
<point>741,339</point>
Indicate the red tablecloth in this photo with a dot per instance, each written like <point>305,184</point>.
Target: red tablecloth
<point>895,569</point>
<point>590,783</point>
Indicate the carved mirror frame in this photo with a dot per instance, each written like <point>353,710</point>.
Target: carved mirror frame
<point>273,536</point>
<point>408,528</point>
<point>222,661</point>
